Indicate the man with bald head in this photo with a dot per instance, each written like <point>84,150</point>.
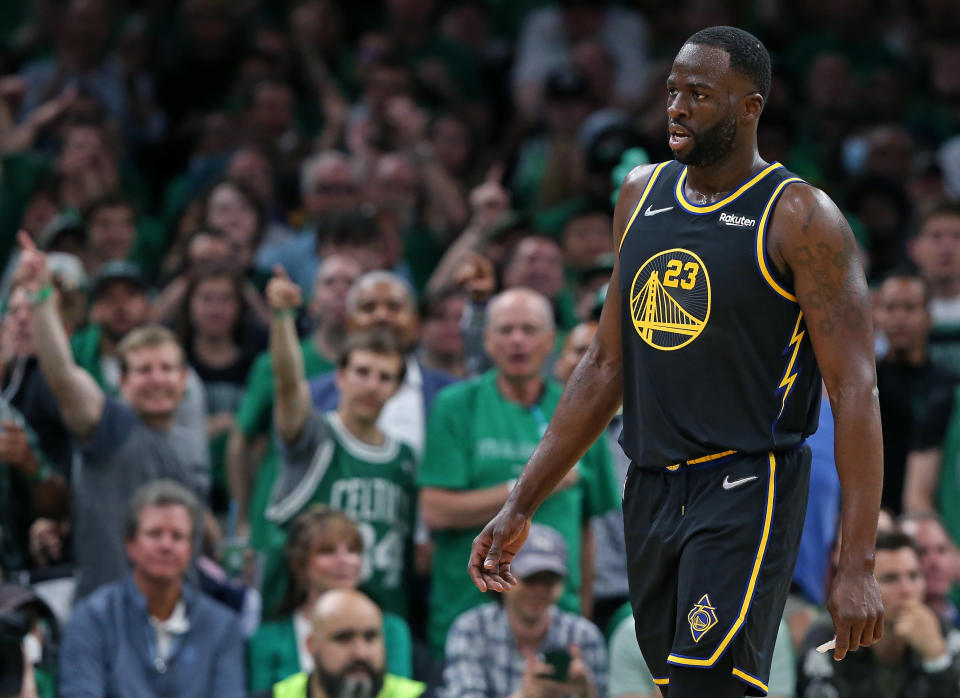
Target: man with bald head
<point>479,434</point>
<point>348,653</point>
<point>382,299</point>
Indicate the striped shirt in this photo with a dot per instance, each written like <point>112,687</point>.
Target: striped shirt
<point>484,661</point>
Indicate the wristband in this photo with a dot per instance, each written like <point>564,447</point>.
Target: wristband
<point>35,299</point>
<point>932,666</point>
<point>283,312</point>
<point>511,484</point>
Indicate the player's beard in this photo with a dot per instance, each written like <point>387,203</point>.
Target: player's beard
<point>713,145</point>
<point>342,685</point>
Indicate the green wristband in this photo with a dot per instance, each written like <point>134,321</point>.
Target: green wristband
<point>285,312</point>
<point>40,296</point>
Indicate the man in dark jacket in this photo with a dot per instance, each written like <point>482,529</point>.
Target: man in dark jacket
<point>918,656</point>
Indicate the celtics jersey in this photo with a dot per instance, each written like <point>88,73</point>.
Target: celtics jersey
<point>374,485</point>
<point>716,356</point>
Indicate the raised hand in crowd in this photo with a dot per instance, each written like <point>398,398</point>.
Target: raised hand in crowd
<point>80,399</point>
<point>291,392</point>
<point>282,293</point>
<point>489,200</point>
<point>18,137</point>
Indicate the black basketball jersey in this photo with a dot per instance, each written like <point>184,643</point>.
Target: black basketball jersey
<point>716,357</point>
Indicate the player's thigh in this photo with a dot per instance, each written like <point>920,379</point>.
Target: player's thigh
<point>735,570</point>
<point>651,511</point>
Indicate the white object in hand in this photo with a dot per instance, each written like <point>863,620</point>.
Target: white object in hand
<point>827,646</point>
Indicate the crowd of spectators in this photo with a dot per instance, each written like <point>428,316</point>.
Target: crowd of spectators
<point>289,293</point>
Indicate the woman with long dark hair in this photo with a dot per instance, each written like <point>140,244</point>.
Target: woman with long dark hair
<point>221,339</point>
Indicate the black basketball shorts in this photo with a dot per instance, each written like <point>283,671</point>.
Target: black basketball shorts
<point>711,549</point>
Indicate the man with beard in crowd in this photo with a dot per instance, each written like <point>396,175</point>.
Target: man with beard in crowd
<point>348,653</point>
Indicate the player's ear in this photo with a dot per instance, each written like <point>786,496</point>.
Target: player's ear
<point>751,107</point>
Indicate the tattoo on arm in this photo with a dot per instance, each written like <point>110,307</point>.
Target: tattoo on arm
<point>839,295</point>
<point>806,223</point>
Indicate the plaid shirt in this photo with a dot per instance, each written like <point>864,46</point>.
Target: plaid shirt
<point>483,660</point>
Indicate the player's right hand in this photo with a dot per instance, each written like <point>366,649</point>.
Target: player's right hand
<point>32,271</point>
<point>494,549</point>
<point>282,293</point>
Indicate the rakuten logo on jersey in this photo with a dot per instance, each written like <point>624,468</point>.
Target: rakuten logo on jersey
<point>737,221</point>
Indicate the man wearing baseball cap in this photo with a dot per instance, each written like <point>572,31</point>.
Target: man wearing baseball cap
<point>525,646</point>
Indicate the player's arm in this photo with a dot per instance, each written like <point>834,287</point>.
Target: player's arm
<point>589,401</point>
<point>811,241</point>
<point>291,404</point>
<point>80,399</point>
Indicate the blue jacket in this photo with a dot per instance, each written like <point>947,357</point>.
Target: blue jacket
<point>326,397</point>
<point>109,649</point>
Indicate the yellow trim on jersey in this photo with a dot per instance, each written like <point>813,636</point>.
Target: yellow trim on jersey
<point>693,208</point>
<point>761,244</point>
<point>661,682</point>
<point>702,459</point>
<point>711,457</point>
<point>750,680</point>
<point>643,197</point>
<point>751,585</point>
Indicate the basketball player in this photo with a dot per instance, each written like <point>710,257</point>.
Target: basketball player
<point>736,284</point>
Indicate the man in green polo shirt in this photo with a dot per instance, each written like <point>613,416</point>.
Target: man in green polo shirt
<point>327,310</point>
<point>348,652</point>
<point>480,433</point>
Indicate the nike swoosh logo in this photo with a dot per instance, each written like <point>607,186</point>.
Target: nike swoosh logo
<point>651,211</point>
<point>729,485</point>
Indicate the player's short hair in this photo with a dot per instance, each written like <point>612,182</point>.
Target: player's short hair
<point>161,493</point>
<point>895,540</point>
<point>143,337</point>
<point>377,341</point>
<point>748,55</point>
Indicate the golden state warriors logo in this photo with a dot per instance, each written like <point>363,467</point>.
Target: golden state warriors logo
<point>670,299</point>
<point>702,617</point>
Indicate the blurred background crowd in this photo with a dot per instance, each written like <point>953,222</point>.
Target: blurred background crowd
<point>298,284</point>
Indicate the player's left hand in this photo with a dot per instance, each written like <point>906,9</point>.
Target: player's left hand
<point>857,611</point>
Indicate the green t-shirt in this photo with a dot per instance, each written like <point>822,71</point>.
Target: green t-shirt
<point>255,418</point>
<point>476,439</point>
<point>374,485</point>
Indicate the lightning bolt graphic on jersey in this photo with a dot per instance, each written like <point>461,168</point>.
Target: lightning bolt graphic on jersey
<point>790,375</point>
